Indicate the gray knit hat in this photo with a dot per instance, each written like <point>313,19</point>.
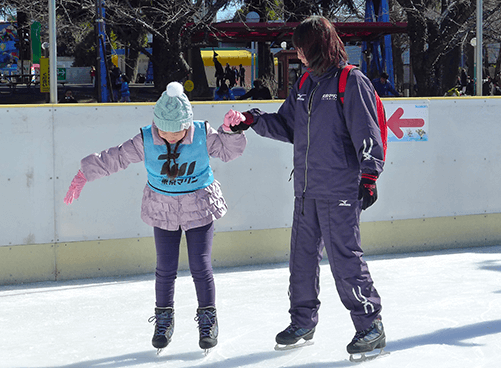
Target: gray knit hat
<point>173,112</point>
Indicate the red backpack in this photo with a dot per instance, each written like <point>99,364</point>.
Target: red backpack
<point>381,115</point>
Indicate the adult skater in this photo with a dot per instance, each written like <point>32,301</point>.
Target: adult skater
<point>338,156</point>
<point>181,195</point>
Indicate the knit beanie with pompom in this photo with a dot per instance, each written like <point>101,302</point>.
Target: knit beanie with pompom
<point>173,112</point>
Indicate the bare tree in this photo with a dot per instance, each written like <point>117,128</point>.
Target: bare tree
<point>438,29</point>
<point>171,22</point>
<point>291,11</point>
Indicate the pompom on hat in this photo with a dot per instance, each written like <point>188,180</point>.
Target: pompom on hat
<point>173,112</point>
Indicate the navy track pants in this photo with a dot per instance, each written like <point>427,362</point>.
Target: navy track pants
<point>333,225</point>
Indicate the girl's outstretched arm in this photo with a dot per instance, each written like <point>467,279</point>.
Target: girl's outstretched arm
<point>114,159</point>
<point>105,163</point>
<point>225,145</point>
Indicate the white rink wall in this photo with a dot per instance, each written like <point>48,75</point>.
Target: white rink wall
<point>436,192</point>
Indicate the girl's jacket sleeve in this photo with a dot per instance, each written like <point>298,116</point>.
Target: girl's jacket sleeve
<point>114,159</point>
<point>360,114</point>
<point>226,146</point>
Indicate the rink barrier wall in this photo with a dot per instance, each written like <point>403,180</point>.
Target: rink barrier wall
<point>434,194</point>
<point>122,257</point>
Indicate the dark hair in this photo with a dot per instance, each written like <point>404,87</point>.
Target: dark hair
<point>257,83</point>
<point>223,88</point>
<point>384,75</point>
<point>316,36</point>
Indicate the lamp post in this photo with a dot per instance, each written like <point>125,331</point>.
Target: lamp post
<point>479,49</point>
<point>52,52</point>
<point>473,42</point>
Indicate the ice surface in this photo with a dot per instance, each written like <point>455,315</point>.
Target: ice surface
<point>440,309</point>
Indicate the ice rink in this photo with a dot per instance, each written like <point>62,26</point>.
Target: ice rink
<point>440,309</point>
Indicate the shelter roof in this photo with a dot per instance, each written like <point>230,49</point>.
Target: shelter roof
<point>282,31</point>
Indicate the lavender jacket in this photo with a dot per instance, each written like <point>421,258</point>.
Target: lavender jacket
<point>171,212</point>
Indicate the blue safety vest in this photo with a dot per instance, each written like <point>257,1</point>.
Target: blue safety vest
<point>194,171</point>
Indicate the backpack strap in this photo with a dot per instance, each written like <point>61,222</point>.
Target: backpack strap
<point>381,115</point>
<point>303,79</point>
<point>343,77</point>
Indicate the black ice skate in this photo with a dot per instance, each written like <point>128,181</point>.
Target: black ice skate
<point>207,327</point>
<point>366,341</point>
<point>288,338</point>
<point>164,327</point>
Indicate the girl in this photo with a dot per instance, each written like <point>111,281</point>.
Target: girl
<point>181,194</point>
<point>124,89</point>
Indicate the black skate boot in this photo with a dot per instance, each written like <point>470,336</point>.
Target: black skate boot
<point>164,327</point>
<point>288,338</point>
<point>207,327</point>
<point>368,340</point>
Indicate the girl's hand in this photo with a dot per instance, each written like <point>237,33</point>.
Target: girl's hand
<point>76,187</point>
<point>232,118</point>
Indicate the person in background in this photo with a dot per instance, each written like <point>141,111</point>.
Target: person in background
<point>259,92</point>
<point>229,74</point>
<point>92,74</point>
<point>338,156</point>
<point>219,75</point>
<point>116,83</point>
<point>181,194</point>
<point>68,97</point>
<point>124,89</point>
<point>241,75</point>
<point>223,93</point>
<point>470,86</point>
<point>383,86</point>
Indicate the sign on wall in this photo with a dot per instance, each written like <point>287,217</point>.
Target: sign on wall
<point>44,75</point>
<point>36,44</point>
<point>407,122</point>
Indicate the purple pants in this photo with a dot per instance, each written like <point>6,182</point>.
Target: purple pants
<point>199,241</point>
<point>335,226</point>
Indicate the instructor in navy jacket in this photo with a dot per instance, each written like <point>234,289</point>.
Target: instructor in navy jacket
<point>338,156</point>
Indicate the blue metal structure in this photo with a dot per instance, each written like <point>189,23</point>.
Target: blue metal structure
<point>380,50</point>
<point>102,70</point>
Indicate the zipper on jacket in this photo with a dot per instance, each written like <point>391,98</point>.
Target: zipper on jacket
<point>310,103</point>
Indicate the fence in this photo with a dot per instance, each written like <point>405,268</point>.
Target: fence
<point>438,190</point>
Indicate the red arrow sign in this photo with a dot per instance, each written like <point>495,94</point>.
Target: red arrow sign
<point>395,123</point>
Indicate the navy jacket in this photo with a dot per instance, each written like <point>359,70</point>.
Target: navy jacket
<point>384,90</point>
<point>333,143</point>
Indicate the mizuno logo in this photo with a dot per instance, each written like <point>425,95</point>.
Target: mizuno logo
<point>301,96</point>
<point>329,97</point>
<point>344,203</point>
<point>363,300</point>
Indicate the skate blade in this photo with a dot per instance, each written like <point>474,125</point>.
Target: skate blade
<point>206,352</point>
<point>159,351</point>
<point>363,357</point>
<point>297,345</point>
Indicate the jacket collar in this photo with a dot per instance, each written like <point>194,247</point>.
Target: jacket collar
<point>329,73</point>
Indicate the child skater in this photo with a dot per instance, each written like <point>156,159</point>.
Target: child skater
<point>181,194</point>
<point>124,89</point>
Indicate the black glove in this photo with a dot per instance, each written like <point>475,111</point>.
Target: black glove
<point>367,190</point>
<point>244,125</point>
